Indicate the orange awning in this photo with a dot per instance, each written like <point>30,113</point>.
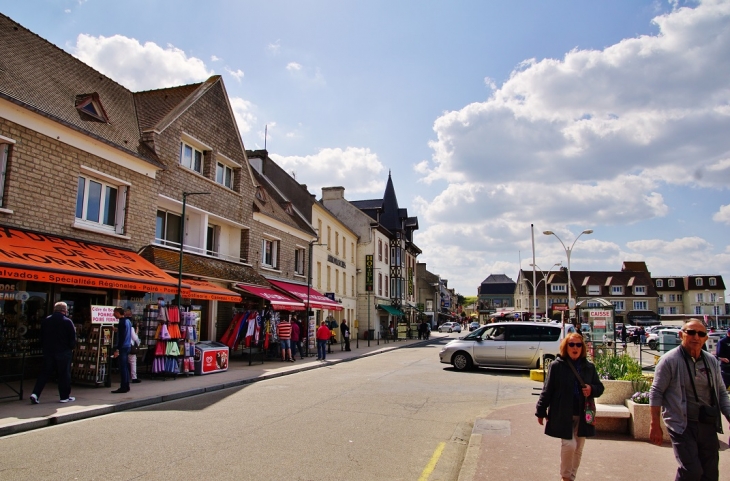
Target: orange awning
<point>209,292</point>
<point>31,256</point>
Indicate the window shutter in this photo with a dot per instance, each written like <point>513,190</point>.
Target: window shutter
<point>121,209</point>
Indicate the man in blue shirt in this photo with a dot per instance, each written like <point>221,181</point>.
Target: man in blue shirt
<point>124,343</point>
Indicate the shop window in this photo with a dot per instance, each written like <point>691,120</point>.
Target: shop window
<point>191,157</point>
<point>4,157</point>
<point>167,228</point>
<point>270,253</point>
<point>224,175</point>
<point>299,261</point>
<point>100,204</point>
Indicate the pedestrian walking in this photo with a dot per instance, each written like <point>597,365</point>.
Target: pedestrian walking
<point>722,352</point>
<point>58,338</point>
<point>623,335</point>
<point>323,335</point>
<point>688,396</point>
<point>345,330</point>
<point>124,344</point>
<point>572,382</point>
<point>296,339</point>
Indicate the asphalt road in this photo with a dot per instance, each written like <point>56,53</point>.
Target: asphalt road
<point>396,416</point>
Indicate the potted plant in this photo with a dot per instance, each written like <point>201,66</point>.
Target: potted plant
<point>640,420</point>
<point>618,374</point>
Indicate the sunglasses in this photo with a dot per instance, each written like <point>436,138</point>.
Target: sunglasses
<point>692,332</point>
<point>575,344</point>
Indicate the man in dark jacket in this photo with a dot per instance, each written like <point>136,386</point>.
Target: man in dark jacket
<point>58,338</point>
<point>124,343</point>
<point>345,331</point>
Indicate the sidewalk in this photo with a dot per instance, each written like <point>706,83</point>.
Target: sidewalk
<point>510,444</point>
<point>17,416</point>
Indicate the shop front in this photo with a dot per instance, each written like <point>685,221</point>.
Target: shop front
<point>37,270</point>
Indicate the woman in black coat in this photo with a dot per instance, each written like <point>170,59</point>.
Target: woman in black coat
<point>562,402</point>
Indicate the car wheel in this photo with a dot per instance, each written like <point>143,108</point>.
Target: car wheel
<point>462,361</point>
<point>546,361</point>
<point>450,331</point>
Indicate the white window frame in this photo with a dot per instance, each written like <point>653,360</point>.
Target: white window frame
<point>299,254</point>
<point>670,282</point>
<point>617,290</point>
<point>641,305</point>
<point>5,144</point>
<point>661,297</point>
<point>698,281</point>
<point>700,296</point>
<point>659,283</point>
<point>194,149</point>
<point>672,298</point>
<point>274,243</point>
<point>224,175</point>
<point>163,240</point>
<point>672,310</point>
<point>639,290</point>
<point>712,281</point>
<point>661,310</point>
<point>698,309</point>
<point>214,242</point>
<point>594,290</point>
<point>81,219</point>
<point>559,288</point>
<point>618,306</point>
<point>680,298</point>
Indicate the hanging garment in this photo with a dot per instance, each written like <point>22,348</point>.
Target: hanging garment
<point>160,348</point>
<point>158,331</point>
<point>257,332</point>
<point>165,334</point>
<point>162,314</point>
<point>247,316</point>
<point>232,327</point>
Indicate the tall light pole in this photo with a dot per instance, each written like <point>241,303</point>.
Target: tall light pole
<point>182,241</point>
<point>544,280</point>
<point>568,251</point>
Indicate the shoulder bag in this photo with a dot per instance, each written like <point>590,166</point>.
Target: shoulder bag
<point>590,404</point>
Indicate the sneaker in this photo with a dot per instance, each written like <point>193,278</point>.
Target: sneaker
<point>70,399</point>
<point>291,360</point>
<point>34,399</point>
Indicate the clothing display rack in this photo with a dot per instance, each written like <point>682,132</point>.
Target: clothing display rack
<point>249,331</point>
<point>171,346</point>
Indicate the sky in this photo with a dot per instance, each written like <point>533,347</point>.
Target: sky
<point>494,118</point>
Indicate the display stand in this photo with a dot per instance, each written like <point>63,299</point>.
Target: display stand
<point>90,360</point>
<point>7,378</point>
<point>172,347</point>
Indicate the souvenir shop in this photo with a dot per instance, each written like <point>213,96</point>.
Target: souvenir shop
<point>37,270</point>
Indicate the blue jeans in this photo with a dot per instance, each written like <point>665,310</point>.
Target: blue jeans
<point>321,349</point>
<point>296,346</point>
<point>124,368</point>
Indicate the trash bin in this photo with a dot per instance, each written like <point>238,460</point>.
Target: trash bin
<point>210,357</point>
<point>371,334</point>
<point>668,341</point>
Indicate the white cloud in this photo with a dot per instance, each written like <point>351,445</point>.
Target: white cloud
<point>358,169</point>
<point>68,10</point>
<point>593,138</point>
<point>274,47</point>
<point>293,67</point>
<point>243,113</point>
<point>214,58</point>
<point>139,66</point>
<point>722,215</point>
<point>237,74</point>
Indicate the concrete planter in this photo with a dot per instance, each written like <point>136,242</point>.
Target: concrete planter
<point>615,392</point>
<point>640,421</point>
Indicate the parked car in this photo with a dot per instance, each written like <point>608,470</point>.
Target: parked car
<point>653,333</point>
<point>474,325</point>
<point>505,344</point>
<point>450,327</point>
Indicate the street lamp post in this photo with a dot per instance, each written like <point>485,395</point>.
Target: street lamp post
<point>182,241</point>
<point>544,280</point>
<point>568,251</point>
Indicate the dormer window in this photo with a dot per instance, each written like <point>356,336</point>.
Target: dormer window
<point>90,105</point>
<point>698,281</point>
<point>260,193</point>
<point>659,283</point>
<point>670,282</point>
<point>712,281</point>
<point>639,290</point>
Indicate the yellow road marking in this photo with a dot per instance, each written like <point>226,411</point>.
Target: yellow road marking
<point>432,463</point>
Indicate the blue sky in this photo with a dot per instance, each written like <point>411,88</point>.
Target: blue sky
<point>605,115</point>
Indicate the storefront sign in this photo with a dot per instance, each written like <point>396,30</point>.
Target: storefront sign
<point>369,268</point>
<point>103,315</point>
<point>599,314</point>
<point>332,259</point>
<point>38,257</point>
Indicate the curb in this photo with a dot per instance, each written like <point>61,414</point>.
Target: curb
<point>33,424</point>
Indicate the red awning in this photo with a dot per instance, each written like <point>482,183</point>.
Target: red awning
<point>31,256</point>
<point>279,301</point>
<point>304,294</point>
<point>210,292</point>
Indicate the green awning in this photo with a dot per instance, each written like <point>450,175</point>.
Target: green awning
<point>390,310</point>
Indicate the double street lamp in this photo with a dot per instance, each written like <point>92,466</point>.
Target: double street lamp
<point>568,252</point>
<point>544,280</point>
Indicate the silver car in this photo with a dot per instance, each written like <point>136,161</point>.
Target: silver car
<point>450,327</point>
<point>505,344</point>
